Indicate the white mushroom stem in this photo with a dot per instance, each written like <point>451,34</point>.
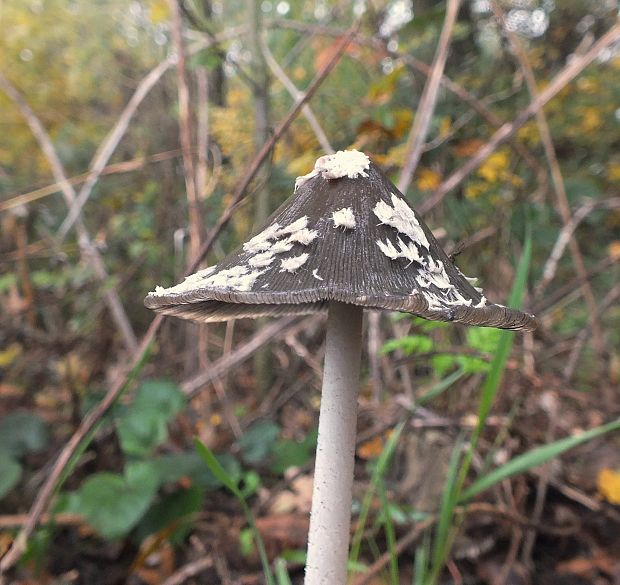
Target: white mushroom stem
<point>330,518</point>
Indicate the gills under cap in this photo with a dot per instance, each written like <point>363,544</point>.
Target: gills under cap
<point>346,234</point>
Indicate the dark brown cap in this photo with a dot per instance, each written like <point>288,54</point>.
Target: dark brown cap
<point>346,234</point>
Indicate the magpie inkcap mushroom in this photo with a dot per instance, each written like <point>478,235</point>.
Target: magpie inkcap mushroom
<point>345,240</point>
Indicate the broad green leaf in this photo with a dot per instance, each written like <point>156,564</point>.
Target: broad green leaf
<point>22,432</point>
<point>112,503</point>
<point>171,468</point>
<point>10,474</point>
<point>217,469</point>
<point>288,453</point>
<point>173,512</point>
<point>258,440</point>
<point>143,425</point>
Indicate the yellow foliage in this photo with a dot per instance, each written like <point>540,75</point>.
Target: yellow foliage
<point>233,126</point>
<point>428,179</point>
<point>608,483</point>
<point>614,250</point>
<point>474,189</point>
<point>303,164</point>
<point>529,133</point>
<point>588,85</point>
<point>445,125</point>
<point>613,171</point>
<point>495,168</point>
<point>10,354</point>
<point>591,120</point>
<point>159,11</point>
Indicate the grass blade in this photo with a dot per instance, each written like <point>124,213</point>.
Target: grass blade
<point>533,458</point>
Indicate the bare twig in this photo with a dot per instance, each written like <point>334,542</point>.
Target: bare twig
<point>185,134</point>
<point>46,492</point>
<point>421,123</point>
<point>89,251</point>
<point>460,92</point>
<point>189,570</point>
<point>573,68</point>
<point>565,236</point>
<point>116,168</point>
<point>229,361</point>
<point>306,110</point>
<point>112,140</point>
<point>571,364</point>
<point>277,133</point>
<point>556,175</point>
<point>202,135</point>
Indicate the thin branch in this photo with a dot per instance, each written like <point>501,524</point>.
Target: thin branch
<point>460,92</point>
<point>112,140</point>
<point>45,494</point>
<point>185,133</point>
<point>574,67</point>
<point>277,133</point>
<point>189,570</point>
<point>123,167</point>
<point>202,135</point>
<point>306,110</point>
<point>428,101</point>
<point>556,176</point>
<point>89,251</point>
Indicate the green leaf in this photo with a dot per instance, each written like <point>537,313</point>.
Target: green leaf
<point>171,468</point>
<point>10,474</point>
<point>112,503</point>
<point>258,440</point>
<point>217,469</point>
<point>173,512</point>
<point>409,344</point>
<point>22,432</point>
<point>534,458</point>
<point>287,453</point>
<point>143,425</point>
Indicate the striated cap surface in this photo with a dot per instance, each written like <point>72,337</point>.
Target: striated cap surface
<point>346,234</point>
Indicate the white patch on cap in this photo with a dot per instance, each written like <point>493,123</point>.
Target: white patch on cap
<point>298,224</point>
<point>482,303</point>
<point>281,246</point>
<point>315,273</point>
<point>303,236</point>
<point>191,282</point>
<point>292,264</point>
<point>261,260</point>
<point>407,251</point>
<point>237,278</point>
<point>344,163</point>
<point>344,218</point>
<point>261,242</point>
<point>401,217</point>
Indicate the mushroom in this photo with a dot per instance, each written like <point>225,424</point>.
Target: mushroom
<point>345,240</point>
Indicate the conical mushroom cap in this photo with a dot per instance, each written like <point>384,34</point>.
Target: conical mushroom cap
<point>346,234</point>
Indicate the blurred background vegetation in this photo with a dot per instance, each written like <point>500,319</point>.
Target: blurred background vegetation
<point>134,499</point>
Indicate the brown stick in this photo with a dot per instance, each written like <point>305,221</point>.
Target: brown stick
<point>185,133</point>
<point>572,69</point>
<point>422,121</point>
<point>107,148</point>
<point>88,250</point>
<point>122,167</point>
<point>277,134</point>
<point>556,177</point>
<point>472,101</point>
<point>46,492</point>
